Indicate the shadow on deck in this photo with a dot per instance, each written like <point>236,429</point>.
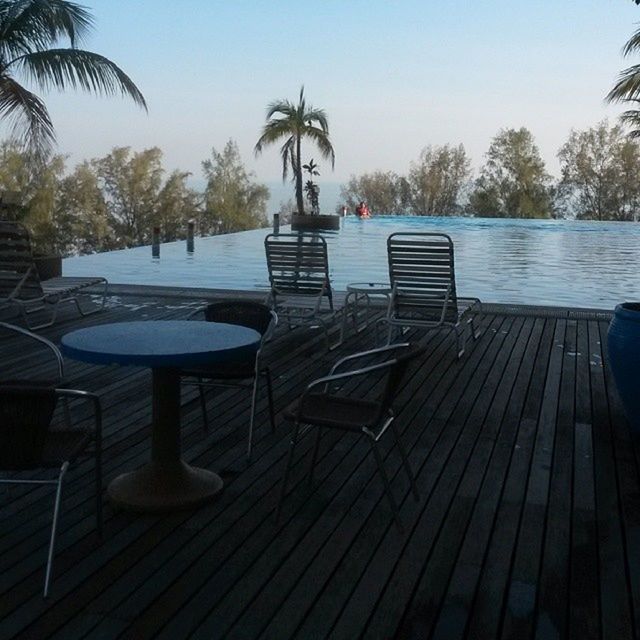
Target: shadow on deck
<point>528,523</point>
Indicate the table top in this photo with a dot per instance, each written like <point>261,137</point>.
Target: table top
<point>369,287</point>
<point>161,343</point>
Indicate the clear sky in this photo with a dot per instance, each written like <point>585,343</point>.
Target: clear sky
<point>393,76</point>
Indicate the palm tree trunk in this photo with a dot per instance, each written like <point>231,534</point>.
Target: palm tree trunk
<point>298,173</point>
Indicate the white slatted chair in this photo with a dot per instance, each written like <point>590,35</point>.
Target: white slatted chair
<point>20,284</point>
<point>298,267</point>
<point>422,276</point>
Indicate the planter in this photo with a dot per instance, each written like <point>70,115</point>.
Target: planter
<point>314,223</point>
<point>48,266</point>
<point>624,357</point>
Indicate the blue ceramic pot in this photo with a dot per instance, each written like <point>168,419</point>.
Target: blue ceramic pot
<point>624,357</point>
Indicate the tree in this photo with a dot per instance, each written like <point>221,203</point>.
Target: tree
<point>131,185</point>
<point>385,193</point>
<point>600,174</point>
<point>292,123</point>
<point>36,189</point>
<point>177,205</point>
<point>232,201</point>
<point>437,180</point>
<point>82,203</point>
<point>30,31</point>
<point>513,182</point>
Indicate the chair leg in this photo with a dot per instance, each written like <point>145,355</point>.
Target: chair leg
<point>203,406</point>
<point>459,340</point>
<point>254,395</point>
<point>272,415</point>
<point>54,527</point>
<point>285,477</point>
<point>99,520</point>
<point>387,486</point>
<point>314,456</point>
<point>405,460</point>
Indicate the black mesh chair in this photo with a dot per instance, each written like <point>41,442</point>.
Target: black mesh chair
<point>371,418</point>
<point>28,442</point>
<point>243,373</point>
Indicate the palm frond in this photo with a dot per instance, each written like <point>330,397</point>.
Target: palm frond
<point>632,45</point>
<point>318,116</point>
<point>320,138</point>
<point>288,157</point>
<point>28,25</point>
<point>272,132</point>
<point>281,107</point>
<point>31,125</point>
<point>627,86</point>
<point>78,69</point>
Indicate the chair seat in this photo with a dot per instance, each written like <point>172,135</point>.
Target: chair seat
<point>224,371</point>
<point>328,410</point>
<point>64,444</point>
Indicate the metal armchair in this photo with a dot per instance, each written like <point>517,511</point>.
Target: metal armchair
<point>326,408</point>
<point>244,373</point>
<point>28,443</point>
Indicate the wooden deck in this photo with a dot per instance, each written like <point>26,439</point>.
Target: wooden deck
<point>528,523</point>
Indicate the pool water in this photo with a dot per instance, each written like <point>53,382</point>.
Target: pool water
<point>555,262</point>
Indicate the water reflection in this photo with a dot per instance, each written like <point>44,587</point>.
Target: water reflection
<point>513,261</point>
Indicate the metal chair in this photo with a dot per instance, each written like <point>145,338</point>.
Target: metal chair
<point>423,281</point>
<point>244,373</point>
<point>28,443</point>
<point>298,267</point>
<point>371,418</point>
<point>20,284</point>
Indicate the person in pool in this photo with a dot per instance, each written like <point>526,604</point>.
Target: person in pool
<point>362,210</point>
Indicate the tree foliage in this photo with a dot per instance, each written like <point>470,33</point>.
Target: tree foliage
<point>513,182</point>
<point>385,193</point>
<point>292,123</point>
<point>30,35</point>
<point>233,202</point>
<point>600,174</point>
<point>437,179</point>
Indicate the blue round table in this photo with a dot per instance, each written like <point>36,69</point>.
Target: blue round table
<point>165,483</point>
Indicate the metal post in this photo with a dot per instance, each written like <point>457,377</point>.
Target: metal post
<point>190,230</point>
<point>276,223</point>
<point>155,242</point>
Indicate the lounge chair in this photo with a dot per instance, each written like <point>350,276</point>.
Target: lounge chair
<point>299,276</point>
<point>20,284</point>
<point>422,276</point>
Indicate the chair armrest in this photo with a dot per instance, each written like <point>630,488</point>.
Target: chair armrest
<point>42,340</point>
<point>370,352</point>
<point>88,397</point>
<point>346,375</point>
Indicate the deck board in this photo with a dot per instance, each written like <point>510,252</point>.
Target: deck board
<point>528,524</point>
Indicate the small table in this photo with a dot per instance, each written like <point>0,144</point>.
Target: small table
<point>166,483</point>
<point>356,292</point>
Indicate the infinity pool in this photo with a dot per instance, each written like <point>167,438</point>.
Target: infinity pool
<point>570,263</point>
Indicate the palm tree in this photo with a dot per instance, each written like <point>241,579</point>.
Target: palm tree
<point>292,123</point>
<point>627,87</point>
<point>29,33</point>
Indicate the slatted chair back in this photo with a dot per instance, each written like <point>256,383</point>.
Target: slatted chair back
<point>25,416</point>
<point>298,265</point>
<point>245,313</point>
<point>422,274</point>
<point>397,373</point>
<point>19,277</point>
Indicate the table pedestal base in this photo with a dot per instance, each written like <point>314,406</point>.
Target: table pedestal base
<point>157,488</point>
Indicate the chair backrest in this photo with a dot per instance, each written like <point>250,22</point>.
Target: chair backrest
<point>19,277</point>
<point>25,416</point>
<point>422,272</point>
<point>397,371</point>
<point>298,264</point>
<point>245,313</point>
